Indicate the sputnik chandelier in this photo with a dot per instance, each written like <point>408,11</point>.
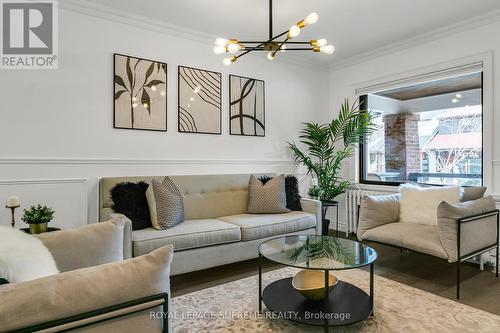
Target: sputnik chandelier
<point>273,44</point>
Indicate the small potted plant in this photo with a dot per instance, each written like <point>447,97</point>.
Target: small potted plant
<point>315,192</point>
<point>38,217</point>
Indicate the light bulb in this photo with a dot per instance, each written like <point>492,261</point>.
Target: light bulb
<point>221,42</point>
<point>191,99</point>
<point>328,49</point>
<point>134,105</point>
<point>455,100</point>
<point>270,56</point>
<point>197,90</point>
<point>458,96</point>
<point>219,49</point>
<point>294,31</point>
<point>145,105</point>
<point>227,61</point>
<point>134,99</point>
<point>283,48</point>
<point>153,88</point>
<point>311,19</point>
<point>321,42</point>
<point>233,48</point>
<point>163,93</point>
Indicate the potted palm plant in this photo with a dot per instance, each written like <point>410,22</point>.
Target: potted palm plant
<point>328,145</point>
<point>38,217</point>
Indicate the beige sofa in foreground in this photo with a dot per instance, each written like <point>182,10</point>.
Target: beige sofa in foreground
<point>216,230</point>
<point>96,291</point>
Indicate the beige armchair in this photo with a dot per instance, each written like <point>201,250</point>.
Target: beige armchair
<point>463,230</point>
<point>96,291</point>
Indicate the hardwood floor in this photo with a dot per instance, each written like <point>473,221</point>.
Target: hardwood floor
<point>479,289</point>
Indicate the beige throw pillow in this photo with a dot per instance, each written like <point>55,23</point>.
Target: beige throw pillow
<point>269,198</point>
<point>472,193</point>
<point>103,243</point>
<point>166,204</point>
<point>419,204</point>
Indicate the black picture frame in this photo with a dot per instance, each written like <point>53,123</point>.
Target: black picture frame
<point>163,66</point>
<point>179,113</point>
<point>231,76</point>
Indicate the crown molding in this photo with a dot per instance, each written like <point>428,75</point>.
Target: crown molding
<point>42,160</point>
<point>143,22</point>
<point>472,23</point>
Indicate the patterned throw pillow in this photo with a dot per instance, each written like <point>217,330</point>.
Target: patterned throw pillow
<point>166,204</point>
<point>269,198</point>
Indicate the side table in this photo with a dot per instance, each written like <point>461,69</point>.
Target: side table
<point>49,229</point>
<point>325,204</point>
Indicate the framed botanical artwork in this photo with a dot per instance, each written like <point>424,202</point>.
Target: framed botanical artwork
<point>199,101</point>
<point>140,94</point>
<point>246,106</point>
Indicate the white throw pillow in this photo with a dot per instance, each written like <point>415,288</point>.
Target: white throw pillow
<point>23,257</point>
<point>419,204</point>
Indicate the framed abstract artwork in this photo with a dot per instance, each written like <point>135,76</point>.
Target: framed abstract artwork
<point>140,94</point>
<point>199,101</point>
<point>246,106</point>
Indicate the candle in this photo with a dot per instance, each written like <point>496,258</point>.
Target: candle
<point>314,182</point>
<point>13,201</point>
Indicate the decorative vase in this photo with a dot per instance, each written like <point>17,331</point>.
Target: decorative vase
<point>38,228</point>
<point>311,283</point>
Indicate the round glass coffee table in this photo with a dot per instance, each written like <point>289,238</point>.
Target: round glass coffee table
<point>342,305</point>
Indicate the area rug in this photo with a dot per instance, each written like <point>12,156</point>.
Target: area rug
<point>233,307</point>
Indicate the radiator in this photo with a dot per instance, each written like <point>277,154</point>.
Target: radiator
<point>353,200</point>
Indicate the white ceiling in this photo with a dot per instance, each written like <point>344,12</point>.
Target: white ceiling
<point>353,26</point>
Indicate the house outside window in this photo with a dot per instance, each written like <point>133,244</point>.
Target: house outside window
<point>429,132</point>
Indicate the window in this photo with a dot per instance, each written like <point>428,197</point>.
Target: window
<point>428,132</point>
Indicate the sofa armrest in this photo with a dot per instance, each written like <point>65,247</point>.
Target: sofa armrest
<point>468,227</point>
<point>375,211</point>
<point>314,207</point>
<point>127,234</point>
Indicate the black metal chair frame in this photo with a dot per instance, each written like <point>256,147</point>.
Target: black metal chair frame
<point>101,311</point>
<point>462,257</point>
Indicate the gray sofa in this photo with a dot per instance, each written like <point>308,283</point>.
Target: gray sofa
<point>85,296</point>
<point>216,230</point>
<point>463,230</point>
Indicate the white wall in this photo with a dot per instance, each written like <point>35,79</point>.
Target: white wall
<point>58,124</point>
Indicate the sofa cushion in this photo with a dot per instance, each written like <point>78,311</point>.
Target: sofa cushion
<point>166,204</point>
<point>23,257</point>
<point>414,236</point>
<point>475,234</point>
<point>86,246</point>
<point>267,198</point>
<point>255,226</point>
<point>71,293</point>
<point>187,235</point>
<point>419,204</point>
<point>472,193</point>
<point>129,199</point>
<point>291,190</point>
<point>376,211</point>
